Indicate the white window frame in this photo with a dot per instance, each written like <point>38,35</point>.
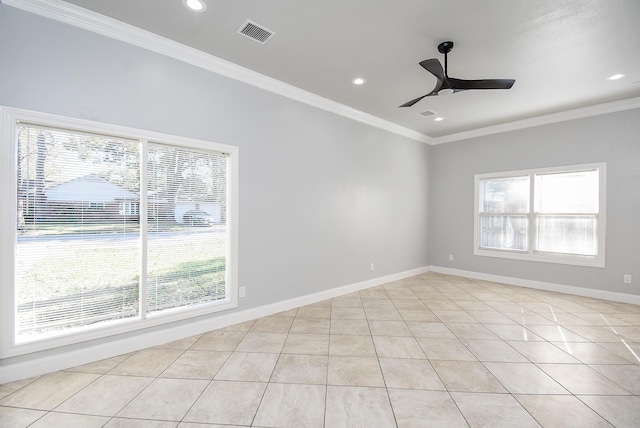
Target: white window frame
<point>9,119</point>
<point>530,254</point>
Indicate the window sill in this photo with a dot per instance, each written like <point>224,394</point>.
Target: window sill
<point>588,261</point>
<point>117,327</point>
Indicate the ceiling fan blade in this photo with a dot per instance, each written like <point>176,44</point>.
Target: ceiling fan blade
<point>461,84</point>
<point>434,67</point>
<point>412,102</point>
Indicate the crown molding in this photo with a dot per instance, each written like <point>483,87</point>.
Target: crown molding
<point>79,17</point>
<point>578,113</point>
<point>67,13</point>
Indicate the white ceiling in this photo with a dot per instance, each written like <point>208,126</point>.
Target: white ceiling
<point>559,51</point>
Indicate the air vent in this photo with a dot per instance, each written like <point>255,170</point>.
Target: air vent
<point>255,32</point>
<point>427,113</point>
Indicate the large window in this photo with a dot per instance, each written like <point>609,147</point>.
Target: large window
<point>552,215</point>
<point>108,229</point>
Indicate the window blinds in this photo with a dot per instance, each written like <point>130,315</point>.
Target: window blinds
<point>74,248</point>
<point>89,253</point>
<point>187,236</point>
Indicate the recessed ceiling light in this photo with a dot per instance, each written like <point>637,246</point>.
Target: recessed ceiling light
<point>616,76</point>
<point>195,5</point>
<point>439,119</point>
<point>358,81</point>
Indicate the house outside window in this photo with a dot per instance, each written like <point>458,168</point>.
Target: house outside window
<point>554,215</point>
<point>92,219</point>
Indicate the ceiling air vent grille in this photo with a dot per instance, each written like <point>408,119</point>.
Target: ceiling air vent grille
<point>427,113</point>
<point>255,32</point>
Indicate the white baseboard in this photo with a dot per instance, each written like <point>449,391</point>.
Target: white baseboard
<point>65,359</point>
<point>540,285</point>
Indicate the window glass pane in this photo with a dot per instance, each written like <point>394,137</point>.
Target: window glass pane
<point>571,192</point>
<point>77,253</point>
<point>567,235</point>
<point>503,232</point>
<point>504,195</point>
<point>187,227</point>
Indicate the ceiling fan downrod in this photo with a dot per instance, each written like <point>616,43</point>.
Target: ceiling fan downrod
<point>445,48</point>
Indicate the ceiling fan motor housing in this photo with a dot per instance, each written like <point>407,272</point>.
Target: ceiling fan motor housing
<point>445,47</point>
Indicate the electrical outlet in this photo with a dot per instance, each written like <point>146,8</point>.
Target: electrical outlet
<point>373,267</point>
<point>450,257</point>
<point>241,292</point>
<point>627,279</point>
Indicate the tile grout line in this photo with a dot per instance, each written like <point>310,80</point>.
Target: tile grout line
<point>210,380</point>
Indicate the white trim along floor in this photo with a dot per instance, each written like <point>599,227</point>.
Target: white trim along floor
<point>428,350</point>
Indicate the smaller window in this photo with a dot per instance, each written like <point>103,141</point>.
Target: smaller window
<point>96,205</point>
<point>128,208</point>
<point>552,215</point>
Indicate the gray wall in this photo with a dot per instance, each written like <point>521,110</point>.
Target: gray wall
<point>612,138</point>
<point>321,196</point>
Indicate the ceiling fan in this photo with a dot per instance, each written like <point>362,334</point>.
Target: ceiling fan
<point>448,85</point>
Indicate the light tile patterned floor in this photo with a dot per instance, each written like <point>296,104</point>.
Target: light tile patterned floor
<point>431,350</point>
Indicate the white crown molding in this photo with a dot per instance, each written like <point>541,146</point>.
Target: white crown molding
<point>578,113</point>
<point>73,15</point>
